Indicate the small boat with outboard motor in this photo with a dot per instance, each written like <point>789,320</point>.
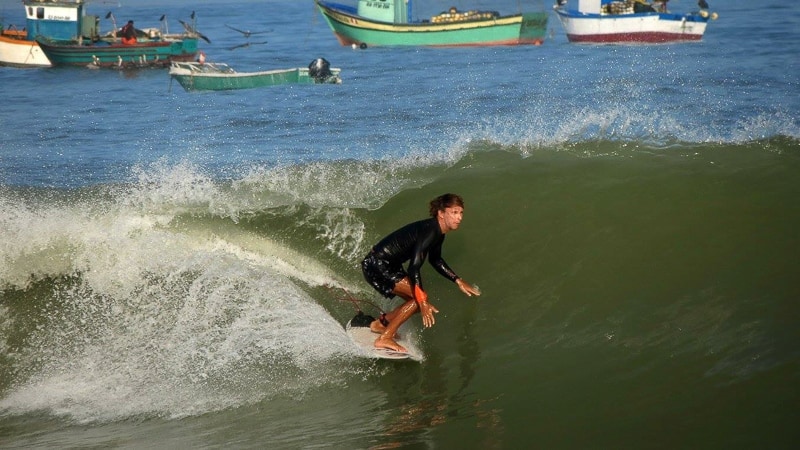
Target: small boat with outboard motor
<point>214,76</point>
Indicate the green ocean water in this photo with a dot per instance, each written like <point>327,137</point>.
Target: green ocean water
<point>632,298</point>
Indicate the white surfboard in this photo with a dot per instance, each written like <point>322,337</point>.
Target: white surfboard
<point>365,340</point>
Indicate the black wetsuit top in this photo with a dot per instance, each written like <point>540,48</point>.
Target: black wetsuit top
<point>414,242</point>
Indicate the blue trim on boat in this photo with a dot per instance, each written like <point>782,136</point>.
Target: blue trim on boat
<point>348,9</point>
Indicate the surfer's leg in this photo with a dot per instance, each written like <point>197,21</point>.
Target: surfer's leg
<point>379,325</point>
<point>403,290</point>
<point>403,313</point>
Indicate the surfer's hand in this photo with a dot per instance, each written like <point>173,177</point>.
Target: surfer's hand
<point>467,288</point>
<point>427,310</point>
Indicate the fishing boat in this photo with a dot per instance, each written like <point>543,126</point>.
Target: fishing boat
<point>17,51</point>
<point>128,47</point>
<point>153,52</point>
<point>59,19</point>
<point>208,76</point>
<point>60,32</point>
<point>630,21</point>
<point>388,23</point>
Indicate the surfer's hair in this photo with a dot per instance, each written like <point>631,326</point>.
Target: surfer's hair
<point>445,201</point>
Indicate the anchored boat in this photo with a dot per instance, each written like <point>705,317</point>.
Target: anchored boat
<point>388,23</point>
<point>208,76</point>
<point>17,51</point>
<point>58,19</point>
<point>106,53</point>
<point>60,32</point>
<point>630,21</point>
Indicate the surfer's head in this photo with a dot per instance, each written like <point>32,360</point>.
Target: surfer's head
<point>448,209</point>
<point>445,201</point>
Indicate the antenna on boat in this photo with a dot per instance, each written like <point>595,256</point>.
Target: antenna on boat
<point>164,25</point>
<point>110,15</point>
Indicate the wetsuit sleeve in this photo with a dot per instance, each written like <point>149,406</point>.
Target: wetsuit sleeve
<point>418,258</point>
<point>438,263</point>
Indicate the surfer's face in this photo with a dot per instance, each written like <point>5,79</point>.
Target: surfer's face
<point>450,218</point>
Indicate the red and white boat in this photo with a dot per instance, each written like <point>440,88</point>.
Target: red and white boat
<point>17,51</point>
<point>53,18</point>
<point>630,21</point>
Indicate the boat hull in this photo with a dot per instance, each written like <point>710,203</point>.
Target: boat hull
<point>192,78</point>
<point>351,29</point>
<point>104,54</point>
<point>16,51</point>
<point>631,28</point>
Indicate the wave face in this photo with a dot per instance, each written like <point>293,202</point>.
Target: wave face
<point>180,295</point>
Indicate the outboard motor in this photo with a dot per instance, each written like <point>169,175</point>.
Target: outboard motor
<point>320,70</point>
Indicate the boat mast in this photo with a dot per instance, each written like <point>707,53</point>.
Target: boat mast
<point>402,11</point>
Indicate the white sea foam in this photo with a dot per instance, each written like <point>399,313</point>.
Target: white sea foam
<point>160,317</point>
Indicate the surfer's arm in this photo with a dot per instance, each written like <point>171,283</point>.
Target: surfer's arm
<point>414,271</point>
<point>425,242</point>
<point>435,259</point>
<point>441,266</point>
<point>426,310</point>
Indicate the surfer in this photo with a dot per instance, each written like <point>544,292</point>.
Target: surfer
<point>413,243</point>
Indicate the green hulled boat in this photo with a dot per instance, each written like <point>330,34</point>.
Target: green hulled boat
<point>112,52</point>
<point>195,76</point>
<point>386,23</point>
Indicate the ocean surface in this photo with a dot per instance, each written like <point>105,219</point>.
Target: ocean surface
<point>176,268</point>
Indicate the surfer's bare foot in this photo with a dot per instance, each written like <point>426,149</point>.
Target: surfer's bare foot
<point>389,343</point>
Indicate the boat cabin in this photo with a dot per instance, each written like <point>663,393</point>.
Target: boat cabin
<point>389,11</point>
<point>59,19</point>
<point>620,6</point>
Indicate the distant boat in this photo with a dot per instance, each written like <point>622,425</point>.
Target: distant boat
<point>55,19</point>
<point>60,32</point>
<point>387,23</point>
<point>629,21</point>
<point>112,53</point>
<point>17,51</point>
<point>195,76</point>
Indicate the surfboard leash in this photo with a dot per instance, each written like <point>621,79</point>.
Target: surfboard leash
<point>348,297</point>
